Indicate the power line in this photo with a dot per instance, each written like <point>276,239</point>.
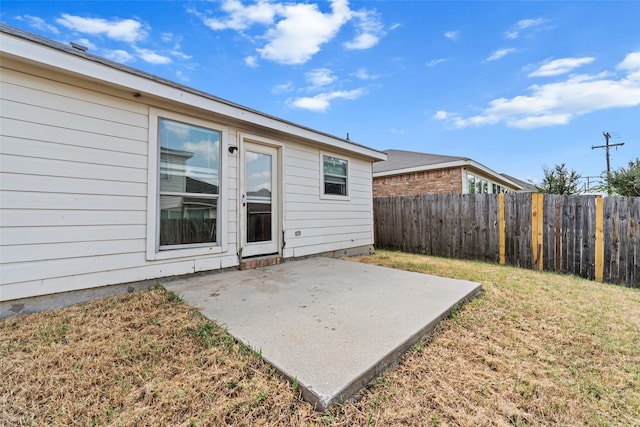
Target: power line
<point>606,146</point>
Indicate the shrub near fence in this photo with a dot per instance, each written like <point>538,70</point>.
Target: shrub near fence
<point>590,236</point>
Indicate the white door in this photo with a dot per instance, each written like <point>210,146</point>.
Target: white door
<point>260,199</point>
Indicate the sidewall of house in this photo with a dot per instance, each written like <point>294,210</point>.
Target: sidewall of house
<point>439,181</point>
<point>74,189</point>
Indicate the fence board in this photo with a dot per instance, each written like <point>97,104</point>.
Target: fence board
<point>468,227</point>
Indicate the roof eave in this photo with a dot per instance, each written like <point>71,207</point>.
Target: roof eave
<point>448,165</point>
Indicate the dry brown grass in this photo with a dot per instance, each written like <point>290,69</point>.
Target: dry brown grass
<point>534,349</point>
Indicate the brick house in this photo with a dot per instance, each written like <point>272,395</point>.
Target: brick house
<point>407,173</point>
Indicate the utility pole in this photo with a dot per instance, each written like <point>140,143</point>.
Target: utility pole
<point>606,146</point>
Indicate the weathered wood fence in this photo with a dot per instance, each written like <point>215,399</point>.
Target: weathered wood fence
<point>593,237</point>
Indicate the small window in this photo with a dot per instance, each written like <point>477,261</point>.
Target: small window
<point>471,180</point>
<point>189,184</point>
<point>335,173</point>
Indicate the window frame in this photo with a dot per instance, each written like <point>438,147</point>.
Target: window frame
<point>330,196</point>
<point>154,251</point>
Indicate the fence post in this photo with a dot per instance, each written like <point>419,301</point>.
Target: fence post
<point>599,273</point>
<point>537,224</point>
<point>501,228</point>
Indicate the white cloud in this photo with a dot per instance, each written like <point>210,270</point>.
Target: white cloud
<point>182,77</point>
<point>152,57</point>
<point>631,62</point>
<point>522,25</point>
<point>119,55</point>
<point>435,62</point>
<point>127,30</point>
<point>370,29</point>
<point>240,17</point>
<point>441,115</point>
<point>322,101</point>
<point>452,35</point>
<point>295,31</point>
<point>526,23</point>
<point>558,103</point>
<point>511,34</point>
<point>500,53</point>
<point>176,50</point>
<point>251,61</point>
<point>38,23</point>
<point>363,74</point>
<point>362,41</point>
<point>304,28</point>
<point>283,87</point>
<point>560,66</point>
<point>395,26</point>
<point>320,77</point>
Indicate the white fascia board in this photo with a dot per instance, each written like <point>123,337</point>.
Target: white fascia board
<point>448,165</point>
<point>143,84</point>
<point>494,175</point>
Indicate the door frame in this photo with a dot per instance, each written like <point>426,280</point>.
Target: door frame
<point>277,196</point>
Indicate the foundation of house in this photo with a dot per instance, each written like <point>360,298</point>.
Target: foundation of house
<point>265,261</point>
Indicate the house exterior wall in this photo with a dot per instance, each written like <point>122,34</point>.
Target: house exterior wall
<point>439,181</point>
<point>74,188</point>
<point>314,224</point>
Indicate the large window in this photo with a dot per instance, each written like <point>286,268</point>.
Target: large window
<point>189,184</point>
<point>335,173</point>
<point>479,185</point>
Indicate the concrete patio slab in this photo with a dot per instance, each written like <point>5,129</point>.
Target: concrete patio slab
<point>331,325</point>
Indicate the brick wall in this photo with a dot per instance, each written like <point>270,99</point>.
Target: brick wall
<point>441,181</point>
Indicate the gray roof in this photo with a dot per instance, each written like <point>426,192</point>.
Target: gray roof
<point>400,162</point>
<point>399,159</point>
<point>526,186</point>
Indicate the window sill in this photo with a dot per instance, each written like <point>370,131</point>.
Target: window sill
<point>184,252</point>
<point>334,197</point>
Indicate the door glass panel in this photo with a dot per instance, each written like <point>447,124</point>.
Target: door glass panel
<point>259,183</point>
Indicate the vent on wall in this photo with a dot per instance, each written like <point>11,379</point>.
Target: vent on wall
<point>79,46</point>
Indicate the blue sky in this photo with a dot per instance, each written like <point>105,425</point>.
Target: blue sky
<point>513,85</point>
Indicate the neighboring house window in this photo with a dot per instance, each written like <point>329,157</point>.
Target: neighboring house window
<point>477,185</point>
<point>335,176</point>
<point>497,189</point>
<point>471,181</point>
<point>189,185</point>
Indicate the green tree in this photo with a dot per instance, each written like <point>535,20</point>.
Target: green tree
<point>559,180</point>
<point>626,182</point>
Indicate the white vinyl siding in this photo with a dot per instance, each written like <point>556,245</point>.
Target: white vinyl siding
<point>73,184</point>
<point>78,180</point>
<point>73,189</point>
<point>314,225</point>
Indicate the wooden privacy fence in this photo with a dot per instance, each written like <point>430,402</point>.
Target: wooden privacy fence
<point>594,237</point>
